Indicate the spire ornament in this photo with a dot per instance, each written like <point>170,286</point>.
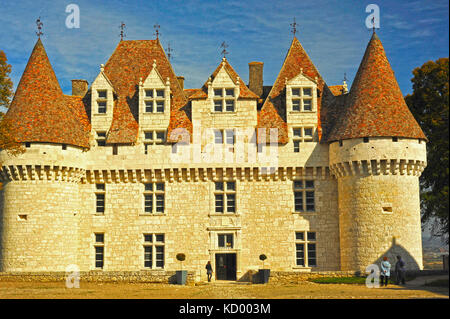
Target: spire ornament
<point>39,25</point>
<point>294,27</point>
<point>122,29</point>
<point>224,51</point>
<point>157,34</point>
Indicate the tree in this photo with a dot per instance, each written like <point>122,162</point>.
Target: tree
<point>429,105</point>
<point>7,142</point>
<point>6,85</point>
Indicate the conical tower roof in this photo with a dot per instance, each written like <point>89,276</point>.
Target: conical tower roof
<point>375,107</point>
<point>40,112</point>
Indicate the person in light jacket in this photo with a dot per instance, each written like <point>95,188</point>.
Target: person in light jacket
<point>385,271</point>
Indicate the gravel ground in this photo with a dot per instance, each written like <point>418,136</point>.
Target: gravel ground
<point>305,290</point>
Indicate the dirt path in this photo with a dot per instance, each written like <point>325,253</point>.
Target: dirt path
<point>306,290</point>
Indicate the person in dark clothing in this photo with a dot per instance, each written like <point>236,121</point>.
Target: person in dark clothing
<point>209,270</point>
<point>400,271</point>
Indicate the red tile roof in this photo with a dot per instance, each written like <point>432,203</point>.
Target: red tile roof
<point>376,106</point>
<point>40,112</point>
<point>244,91</point>
<point>131,61</point>
<point>273,111</point>
<point>336,89</point>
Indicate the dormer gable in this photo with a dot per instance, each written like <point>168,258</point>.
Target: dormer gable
<point>154,93</point>
<point>301,93</point>
<point>102,95</point>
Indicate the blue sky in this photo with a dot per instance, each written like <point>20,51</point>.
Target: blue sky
<point>332,32</point>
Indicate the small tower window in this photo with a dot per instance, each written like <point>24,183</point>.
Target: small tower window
<point>341,143</point>
<point>395,139</point>
<point>366,140</point>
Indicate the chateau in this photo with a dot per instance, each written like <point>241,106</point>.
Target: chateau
<point>133,169</point>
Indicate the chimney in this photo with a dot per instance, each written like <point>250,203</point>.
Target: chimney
<point>255,82</point>
<point>181,81</point>
<point>79,87</point>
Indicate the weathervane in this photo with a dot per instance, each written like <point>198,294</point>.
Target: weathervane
<point>294,27</point>
<point>157,26</point>
<point>224,46</point>
<point>169,51</point>
<point>122,28</point>
<point>39,26</point>
<point>345,77</point>
<point>373,24</point>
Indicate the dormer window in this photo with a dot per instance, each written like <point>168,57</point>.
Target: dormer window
<point>154,100</point>
<point>224,100</point>
<point>101,101</point>
<point>302,99</point>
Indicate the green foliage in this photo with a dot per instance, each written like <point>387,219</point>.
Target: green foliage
<point>429,104</point>
<point>6,85</point>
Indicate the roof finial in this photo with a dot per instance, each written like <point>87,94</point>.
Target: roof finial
<point>157,26</point>
<point>122,28</point>
<point>294,27</point>
<point>169,51</point>
<point>39,27</point>
<point>224,51</point>
<point>344,84</point>
<point>373,24</point>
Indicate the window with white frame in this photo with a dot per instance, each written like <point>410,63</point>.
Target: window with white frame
<point>304,196</point>
<point>302,99</point>
<point>305,249</point>
<point>102,99</point>
<point>99,248</point>
<point>154,198</point>
<point>153,138</point>
<point>154,100</point>
<point>225,197</point>
<point>224,100</point>
<point>301,135</point>
<point>154,251</point>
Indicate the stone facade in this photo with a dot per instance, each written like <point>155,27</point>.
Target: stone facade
<point>308,206</point>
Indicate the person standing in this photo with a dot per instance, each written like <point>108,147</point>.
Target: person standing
<point>209,271</point>
<point>400,271</point>
<point>385,271</point>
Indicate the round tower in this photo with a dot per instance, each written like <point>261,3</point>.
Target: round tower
<point>39,199</point>
<point>377,153</point>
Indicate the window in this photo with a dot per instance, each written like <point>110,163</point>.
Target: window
<point>340,143</point>
<point>224,137</point>
<point>365,139</point>
<point>154,198</point>
<point>395,139</point>
<point>101,101</point>
<point>225,240</point>
<point>153,138</point>
<point>225,197</point>
<point>304,196</point>
<point>224,100</point>
<point>305,250</point>
<point>100,192</point>
<point>301,135</point>
<point>99,247</point>
<point>154,251</point>
<point>302,99</point>
<point>64,147</point>
<point>154,100</point>
<point>101,138</point>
